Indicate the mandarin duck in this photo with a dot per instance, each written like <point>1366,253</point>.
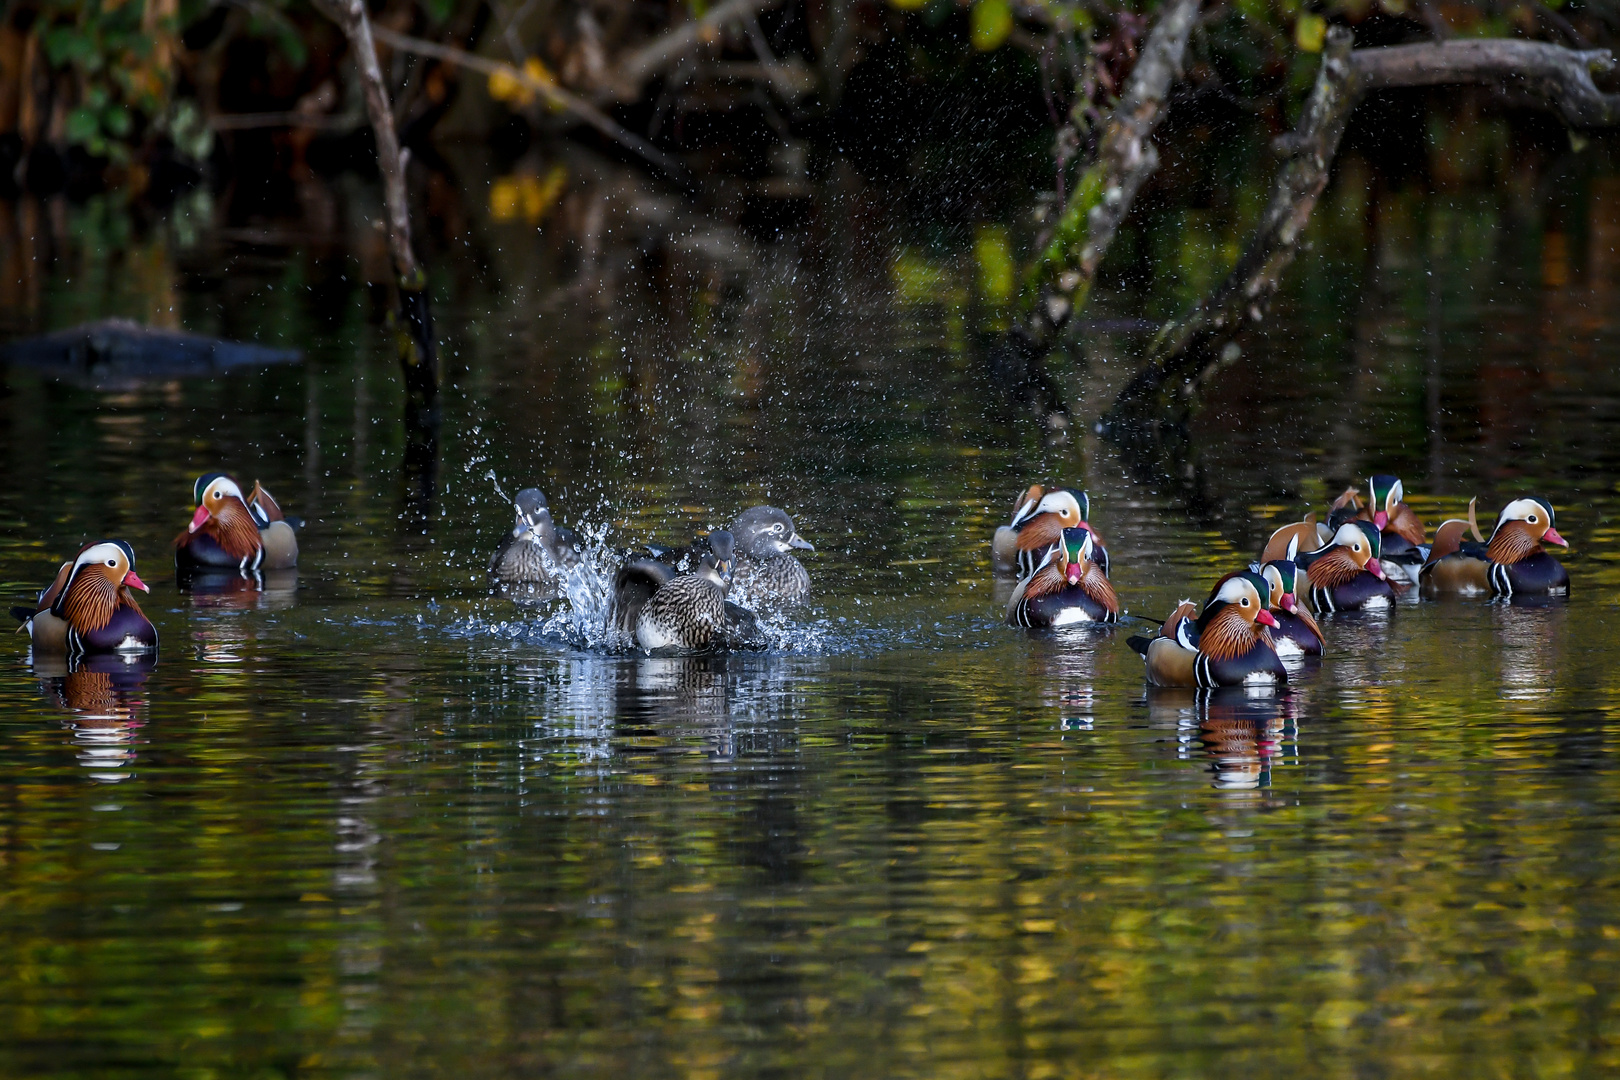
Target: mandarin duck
<point>1297,632</point>
<point>88,609</point>
<point>659,608</point>
<point>766,568</point>
<point>233,531</point>
<point>532,561</point>
<point>1037,523</point>
<point>1067,588</point>
<point>1290,540</point>
<point>1225,646</point>
<point>1512,563</point>
<point>1403,543</point>
<point>1346,575</point>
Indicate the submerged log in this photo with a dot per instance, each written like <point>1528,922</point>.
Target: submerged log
<point>119,352</point>
<point>1560,79</point>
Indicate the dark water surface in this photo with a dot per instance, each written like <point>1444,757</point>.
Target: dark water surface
<point>385,824</point>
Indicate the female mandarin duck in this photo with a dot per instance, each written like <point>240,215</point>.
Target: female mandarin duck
<point>1402,540</point>
<point>1226,646</point>
<point>660,609</point>
<point>88,609</point>
<point>1346,575</point>
<point>766,568</point>
<point>1512,563</point>
<point>230,531</point>
<point>1067,588</point>
<point>1037,523</point>
<point>532,560</point>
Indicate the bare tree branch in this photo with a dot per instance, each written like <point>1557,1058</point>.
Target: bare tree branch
<point>418,350</point>
<point>1560,78</point>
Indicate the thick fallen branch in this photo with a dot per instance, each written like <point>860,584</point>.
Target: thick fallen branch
<point>1058,283</point>
<point>418,351</point>
<point>1560,78</point>
<point>553,95</point>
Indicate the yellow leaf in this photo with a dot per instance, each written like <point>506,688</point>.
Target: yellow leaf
<point>992,22</point>
<point>1309,32</point>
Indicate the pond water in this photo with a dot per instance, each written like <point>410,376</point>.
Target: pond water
<point>385,824</point>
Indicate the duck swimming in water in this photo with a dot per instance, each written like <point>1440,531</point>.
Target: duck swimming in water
<point>1037,523</point>
<point>1346,575</point>
<point>1403,541</point>
<point>1067,588</point>
<point>1225,646</point>
<point>766,568</point>
<point>88,609</point>
<point>1513,562</point>
<point>533,559</point>
<point>659,608</point>
<point>234,531</point>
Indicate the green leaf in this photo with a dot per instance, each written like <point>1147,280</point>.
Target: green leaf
<point>991,23</point>
<point>116,121</point>
<point>82,126</point>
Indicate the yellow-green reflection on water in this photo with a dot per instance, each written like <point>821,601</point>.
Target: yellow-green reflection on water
<point>359,829</point>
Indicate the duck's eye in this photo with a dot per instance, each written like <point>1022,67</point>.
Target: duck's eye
<point>1531,519</point>
<point>112,563</point>
<point>1244,601</point>
<point>219,494</point>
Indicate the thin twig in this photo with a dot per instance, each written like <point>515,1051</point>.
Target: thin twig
<point>555,96</point>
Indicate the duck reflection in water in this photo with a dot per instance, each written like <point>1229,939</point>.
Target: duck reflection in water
<point>1529,629</point>
<point>105,699</point>
<point>246,590</point>
<point>718,698</point>
<point>1240,728</point>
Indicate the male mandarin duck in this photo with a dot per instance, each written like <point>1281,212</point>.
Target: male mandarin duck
<point>1067,588</point>
<point>766,568</point>
<point>1226,646</point>
<point>88,609</point>
<point>1346,575</point>
<point>660,609</point>
<point>1037,523</point>
<point>1290,540</point>
<point>1512,563</point>
<point>533,559</point>
<point>1297,632</point>
<point>1403,540</point>
<point>231,531</point>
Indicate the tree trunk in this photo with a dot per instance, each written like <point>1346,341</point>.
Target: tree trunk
<point>1057,285</point>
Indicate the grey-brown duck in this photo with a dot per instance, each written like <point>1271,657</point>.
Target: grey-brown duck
<point>662,609</point>
<point>533,559</point>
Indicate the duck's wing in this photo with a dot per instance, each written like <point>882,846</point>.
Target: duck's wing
<point>264,507</point>
<point>741,629</point>
<point>633,586</point>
